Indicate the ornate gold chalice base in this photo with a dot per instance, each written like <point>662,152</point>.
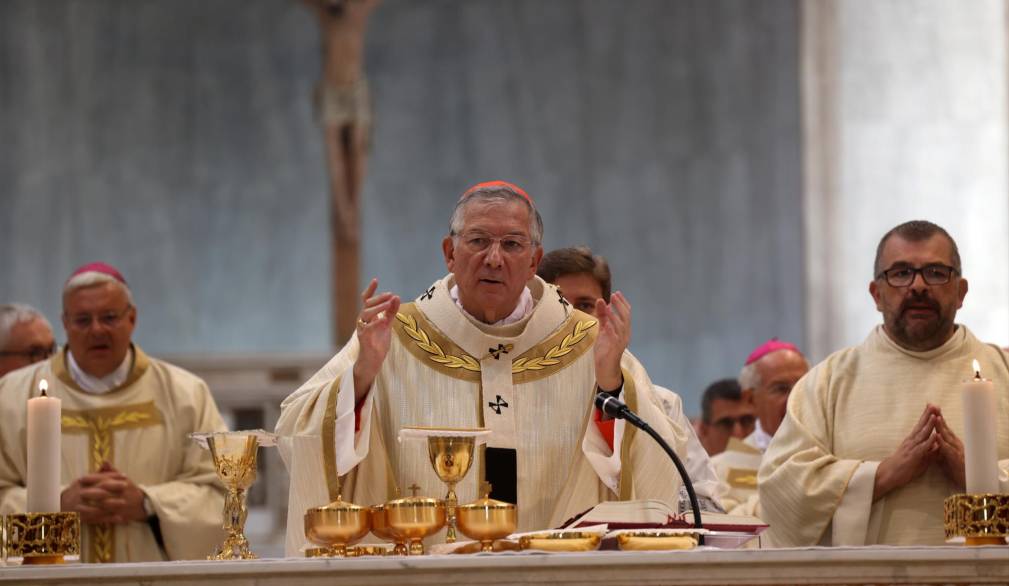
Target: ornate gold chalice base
<point>451,458</point>
<point>487,519</point>
<point>981,519</point>
<point>234,455</point>
<point>335,526</point>
<point>42,538</point>
<point>414,518</point>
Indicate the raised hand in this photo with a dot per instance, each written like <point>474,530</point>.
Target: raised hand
<point>951,452</point>
<point>614,336</point>
<point>374,334</point>
<point>912,457</point>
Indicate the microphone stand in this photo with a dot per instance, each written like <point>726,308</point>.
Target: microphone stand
<point>613,407</point>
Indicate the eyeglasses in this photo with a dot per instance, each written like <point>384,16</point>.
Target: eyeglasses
<point>936,274</point>
<point>109,319</point>
<point>33,353</point>
<point>729,423</point>
<point>481,241</point>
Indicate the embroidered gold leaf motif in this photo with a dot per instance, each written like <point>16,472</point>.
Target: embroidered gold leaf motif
<point>553,354</point>
<point>425,343</point>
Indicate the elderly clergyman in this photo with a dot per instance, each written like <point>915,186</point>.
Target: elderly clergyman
<point>144,490</point>
<point>870,445</point>
<point>25,337</point>
<point>489,345</point>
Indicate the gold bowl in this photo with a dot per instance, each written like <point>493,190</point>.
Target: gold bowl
<point>561,541</point>
<point>656,541</point>
<point>414,518</point>
<point>380,528</point>
<point>486,520</point>
<point>337,525</point>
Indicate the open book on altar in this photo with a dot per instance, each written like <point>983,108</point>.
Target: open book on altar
<point>652,514</point>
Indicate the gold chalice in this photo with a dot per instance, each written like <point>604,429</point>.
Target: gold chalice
<point>337,525</point>
<point>414,518</point>
<point>234,455</point>
<point>487,519</point>
<point>451,458</point>
<point>381,529</point>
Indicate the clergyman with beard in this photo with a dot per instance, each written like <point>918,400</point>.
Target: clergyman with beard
<point>870,445</point>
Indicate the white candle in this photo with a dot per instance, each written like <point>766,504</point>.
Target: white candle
<point>43,452</point>
<point>980,434</point>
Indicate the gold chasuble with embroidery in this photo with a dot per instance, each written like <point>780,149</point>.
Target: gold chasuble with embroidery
<point>531,383</point>
<point>141,428</point>
<point>849,413</point>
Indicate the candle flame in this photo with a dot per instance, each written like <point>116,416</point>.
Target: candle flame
<point>43,386</point>
<point>977,370</point>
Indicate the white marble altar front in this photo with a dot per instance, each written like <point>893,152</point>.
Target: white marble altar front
<point>877,565</point>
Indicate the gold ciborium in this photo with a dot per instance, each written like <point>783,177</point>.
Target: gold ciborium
<point>451,458</point>
<point>234,455</point>
<point>487,519</point>
<point>414,518</point>
<point>381,529</point>
<point>337,525</point>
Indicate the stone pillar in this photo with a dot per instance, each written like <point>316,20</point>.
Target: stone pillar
<point>904,117</point>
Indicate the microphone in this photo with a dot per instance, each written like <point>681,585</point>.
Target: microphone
<point>616,409</point>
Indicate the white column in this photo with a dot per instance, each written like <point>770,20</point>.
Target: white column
<point>904,117</point>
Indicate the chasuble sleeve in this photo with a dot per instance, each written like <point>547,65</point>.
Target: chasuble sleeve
<point>13,456</point>
<point>801,483</point>
<point>189,505</point>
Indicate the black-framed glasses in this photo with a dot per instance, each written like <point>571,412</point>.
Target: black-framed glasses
<point>33,353</point>
<point>937,274</point>
<point>728,423</point>
<point>110,319</point>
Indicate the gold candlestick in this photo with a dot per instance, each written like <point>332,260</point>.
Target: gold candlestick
<point>981,519</point>
<point>42,538</point>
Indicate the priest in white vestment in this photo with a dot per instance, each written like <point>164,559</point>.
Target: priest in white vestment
<point>584,278</point>
<point>143,489</point>
<point>490,345</point>
<point>870,446</point>
<point>766,379</point>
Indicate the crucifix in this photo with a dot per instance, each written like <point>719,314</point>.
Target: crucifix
<point>344,111</point>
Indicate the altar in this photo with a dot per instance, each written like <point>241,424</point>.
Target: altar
<point>852,566</point>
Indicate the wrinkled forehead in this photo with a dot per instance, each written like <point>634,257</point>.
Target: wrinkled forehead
<point>95,297</point>
<point>497,217</point>
<point>900,251</point>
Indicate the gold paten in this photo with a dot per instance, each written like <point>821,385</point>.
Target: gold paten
<point>414,518</point>
<point>487,519</point>
<point>42,538</point>
<point>655,541</point>
<point>451,457</point>
<point>561,541</point>
<point>982,519</point>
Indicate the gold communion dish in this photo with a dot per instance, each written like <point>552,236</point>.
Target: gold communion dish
<point>337,525</point>
<point>234,455</point>
<point>656,541</point>
<point>415,518</point>
<point>561,541</point>
<point>380,528</point>
<point>487,519</point>
<point>451,458</point>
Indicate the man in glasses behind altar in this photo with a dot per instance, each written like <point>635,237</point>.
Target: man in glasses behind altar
<point>144,490</point>
<point>873,437</point>
<point>489,345</point>
<point>25,337</point>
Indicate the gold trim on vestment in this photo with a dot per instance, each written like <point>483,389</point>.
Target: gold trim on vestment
<point>422,339</point>
<point>140,364</point>
<point>99,425</point>
<point>575,336</point>
<point>329,442</point>
<point>742,478</point>
<point>626,470</point>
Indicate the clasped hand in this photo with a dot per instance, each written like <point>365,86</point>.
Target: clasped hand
<point>930,442</point>
<point>105,496</point>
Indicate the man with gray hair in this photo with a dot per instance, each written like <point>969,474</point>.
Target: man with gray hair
<point>25,337</point>
<point>144,490</point>
<point>766,380</point>
<point>491,345</point>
